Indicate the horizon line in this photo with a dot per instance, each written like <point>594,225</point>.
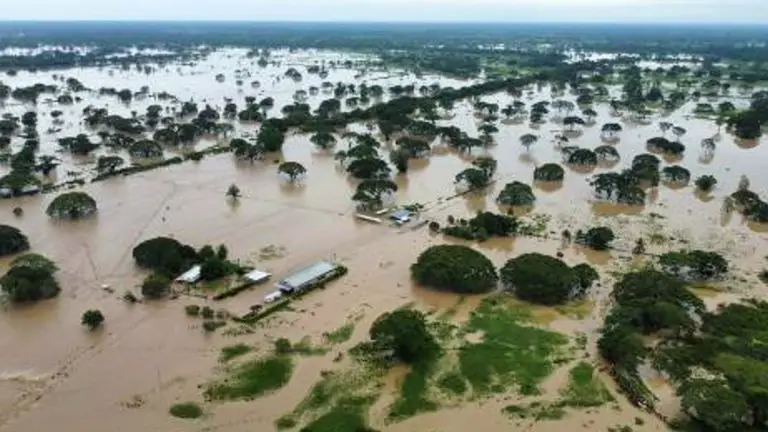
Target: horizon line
<point>347,21</point>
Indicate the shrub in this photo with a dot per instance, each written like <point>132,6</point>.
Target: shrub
<point>192,310</point>
<point>694,265</point>
<point>455,268</point>
<point>706,183</point>
<point>207,312</point>
<point>598,238</point>
<point>186,410</point>
<point>155,286</point>
<point>92,319</point>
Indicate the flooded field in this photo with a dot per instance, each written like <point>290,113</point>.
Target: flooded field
<point>56,375</point>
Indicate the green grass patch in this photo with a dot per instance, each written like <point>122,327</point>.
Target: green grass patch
<point>584,388</point>
<point>413,397</point>
<point>348,414</point>
<point>303,347</point>
<point>252,379</point>
<point>341,334</point>
<point>232,351</point>
<point>511,354</point>
<point>550,412</point>
<point>452,383</point>
<point>186,410</point>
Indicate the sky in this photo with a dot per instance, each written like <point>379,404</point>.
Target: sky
<point>694,11</point>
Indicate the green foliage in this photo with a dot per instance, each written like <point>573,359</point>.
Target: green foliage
<point>192,310</point>
<point>598,238</point>
<point>71,205</point>
<point>348,414</point>
<point>155,286</point>
<point>341,334</point>
<point>293,170</point>
<point>412,399</point>
<point>252,379</point>
<point>12,240</point>
<point>706,183</point>
<point>186,410</point>
<point>483,226</point>
<point>231,351</point>
<point>715,404</point>
<point>165,255</point>
<point>474,178</point>
<point>30,278</point>
<point>516,194</point>
<point>452,383</point>
<point>694,265</point>
<point>92,319</point>
<point>545,280</point>
<point>404,334</point>
<point>455,268</point>
<point>549,172</point>
<point>584,388</point>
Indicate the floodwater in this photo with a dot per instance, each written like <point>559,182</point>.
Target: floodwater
<point>55,375</point>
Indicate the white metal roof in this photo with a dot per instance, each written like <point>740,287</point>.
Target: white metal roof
<point>257,276</point>
<point>190,276</point>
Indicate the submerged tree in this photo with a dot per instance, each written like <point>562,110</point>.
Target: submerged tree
<point>370,192</point>
<point>72,205</point>
<point>233,192</point>
<point>92,319</point>
<point>405,335</point>
<point>12,240</point>
<point>293,170</point>
<point>455,268</point>
<point>30,278</point>
<point>473,178</point>
<point>516,194</point>
<point>676,174</point>
<point>549,172</point>
<point>545,280</point>
<point>598,238</point>
<point>528,140</point>
<point>706,183</point>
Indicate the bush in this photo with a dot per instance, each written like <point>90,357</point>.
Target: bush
<point>207,312</point>
<point>211,325</point>
<point>483,226</point>
<point>545,280</point>
<point>192,310</point>
<point>92,318</point>
<point>186,410</point>
<point>706,183</point>
<point>155,286</point>
<point>597,238</point>
<point>455,268</point>
<point>12,240</point>
<point>549,172</point>
<point>404,334</point>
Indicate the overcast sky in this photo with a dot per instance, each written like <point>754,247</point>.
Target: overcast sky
<point>731,11</point>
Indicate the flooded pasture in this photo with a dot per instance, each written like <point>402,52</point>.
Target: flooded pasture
<point>54,374</point>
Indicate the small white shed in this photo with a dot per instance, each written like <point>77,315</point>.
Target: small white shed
<point>257,276</point>
<point>190,276</point>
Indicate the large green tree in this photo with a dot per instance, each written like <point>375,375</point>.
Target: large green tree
<point>455,268</point>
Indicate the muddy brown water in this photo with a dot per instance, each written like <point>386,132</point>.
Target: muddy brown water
<point>54,375</point>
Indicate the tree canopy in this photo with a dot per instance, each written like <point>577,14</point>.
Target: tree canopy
<point>72,205</point>
<point>30,278</point>
<point>549,172</point>
<point>516,194</point>
<point>694,264</point>
<point>542,279</point>
<point>12,240</point>
<point>293,170</point>
<point>405,335</point>
<point>598,238</point>
<point>455,268</point>
<point>164,255</point>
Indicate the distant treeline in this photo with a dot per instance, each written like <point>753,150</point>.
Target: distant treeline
<point>719,41</point>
